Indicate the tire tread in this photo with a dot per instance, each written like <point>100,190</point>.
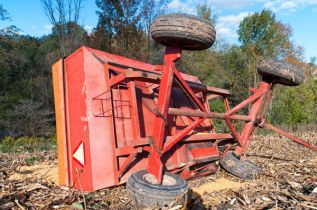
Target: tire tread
<point>183,31</point>
<point>281,72</point>
<point>150,195</point>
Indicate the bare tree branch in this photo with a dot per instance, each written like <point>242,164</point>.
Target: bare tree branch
<point>4,15</point>
<point>64,15</point>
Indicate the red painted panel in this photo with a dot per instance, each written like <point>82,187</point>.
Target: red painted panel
<point>77,124</point>
<point>89,114</point>
<point>98,127</point>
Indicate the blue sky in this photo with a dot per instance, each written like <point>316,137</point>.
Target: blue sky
<point>301,15</point>
<point>29,16</point>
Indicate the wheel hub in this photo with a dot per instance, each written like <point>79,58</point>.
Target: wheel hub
<point>167,180</point>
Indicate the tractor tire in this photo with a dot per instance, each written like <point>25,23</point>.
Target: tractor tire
<point>146,194</point>
<point>280,72</point>
<point>183,31</point>
<point>242,169</point>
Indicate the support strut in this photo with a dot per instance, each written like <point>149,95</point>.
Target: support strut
<point>155,165</point>
<point>283,133</point>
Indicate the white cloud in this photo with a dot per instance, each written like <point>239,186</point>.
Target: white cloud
<point>44,30</point>
<point>189,6</point>
<point>233,19</point>
<point>232,4</point>
<point>227,26</point>
<point>289,5</point>
<point>182,6</point>
<point>48,27</point>
<point>221,30</point>
<point>268,4</point>
<point>284,6</point>
<point>175,4</point>
<point>224,32</point>
<point>88,28</point>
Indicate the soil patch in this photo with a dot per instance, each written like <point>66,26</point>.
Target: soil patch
<point>217,185</point>
<point>43,172</point>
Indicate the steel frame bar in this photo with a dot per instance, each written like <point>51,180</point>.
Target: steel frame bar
<point>234,131</point>
<point>123,151</point>
<point>122,61</point>
<point>155,78</point>
<point>183,83</point>
<point>162,144</point>
<point>126,163</point>
<point>112,125</point>
<point>179,136</point>
<point>253,113</point>
<point>197,87</point>
<point>226,103</point>
<point>283,133</point>
<point>246,102</point>
<point>134,111</point>
<point>197,113</point>
<point>268,99</point>
<point>137,75</point>
<point>206,137</point>
<point>155,165</point>
<point>116,69</point>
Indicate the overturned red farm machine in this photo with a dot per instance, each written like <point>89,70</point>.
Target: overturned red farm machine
<point>124,121</point>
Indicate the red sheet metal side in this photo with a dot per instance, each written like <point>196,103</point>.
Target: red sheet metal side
<point>77,121</point>
<point>58,81</point>
<point>125,115</point>
<point>111,58</point>
<point>98,127</point>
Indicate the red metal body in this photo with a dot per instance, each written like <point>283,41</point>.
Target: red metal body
<point>116,116</point>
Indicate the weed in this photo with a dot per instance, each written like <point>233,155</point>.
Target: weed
<point>27,144</point>
<point>33,159</point>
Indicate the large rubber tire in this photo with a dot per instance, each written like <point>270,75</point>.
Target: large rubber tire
<point>242,169</point>
<point>146,194</point>
<point>183,31</point>
<point>281,72</point>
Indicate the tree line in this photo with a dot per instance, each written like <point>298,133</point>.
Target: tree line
<point>26,95</point>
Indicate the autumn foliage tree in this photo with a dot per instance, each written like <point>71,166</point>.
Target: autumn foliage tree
<point>261,35</point>
<point>264,36</point>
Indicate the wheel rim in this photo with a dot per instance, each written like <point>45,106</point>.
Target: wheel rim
<point>167,180</point>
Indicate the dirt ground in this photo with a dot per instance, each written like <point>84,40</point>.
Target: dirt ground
<point>289,180</point>
<point>41,172</point>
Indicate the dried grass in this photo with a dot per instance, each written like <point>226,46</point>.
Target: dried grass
<point>288,181</point>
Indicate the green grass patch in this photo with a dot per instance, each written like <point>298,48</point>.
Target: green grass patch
<point>34,159</point>
<point>27,144</point>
